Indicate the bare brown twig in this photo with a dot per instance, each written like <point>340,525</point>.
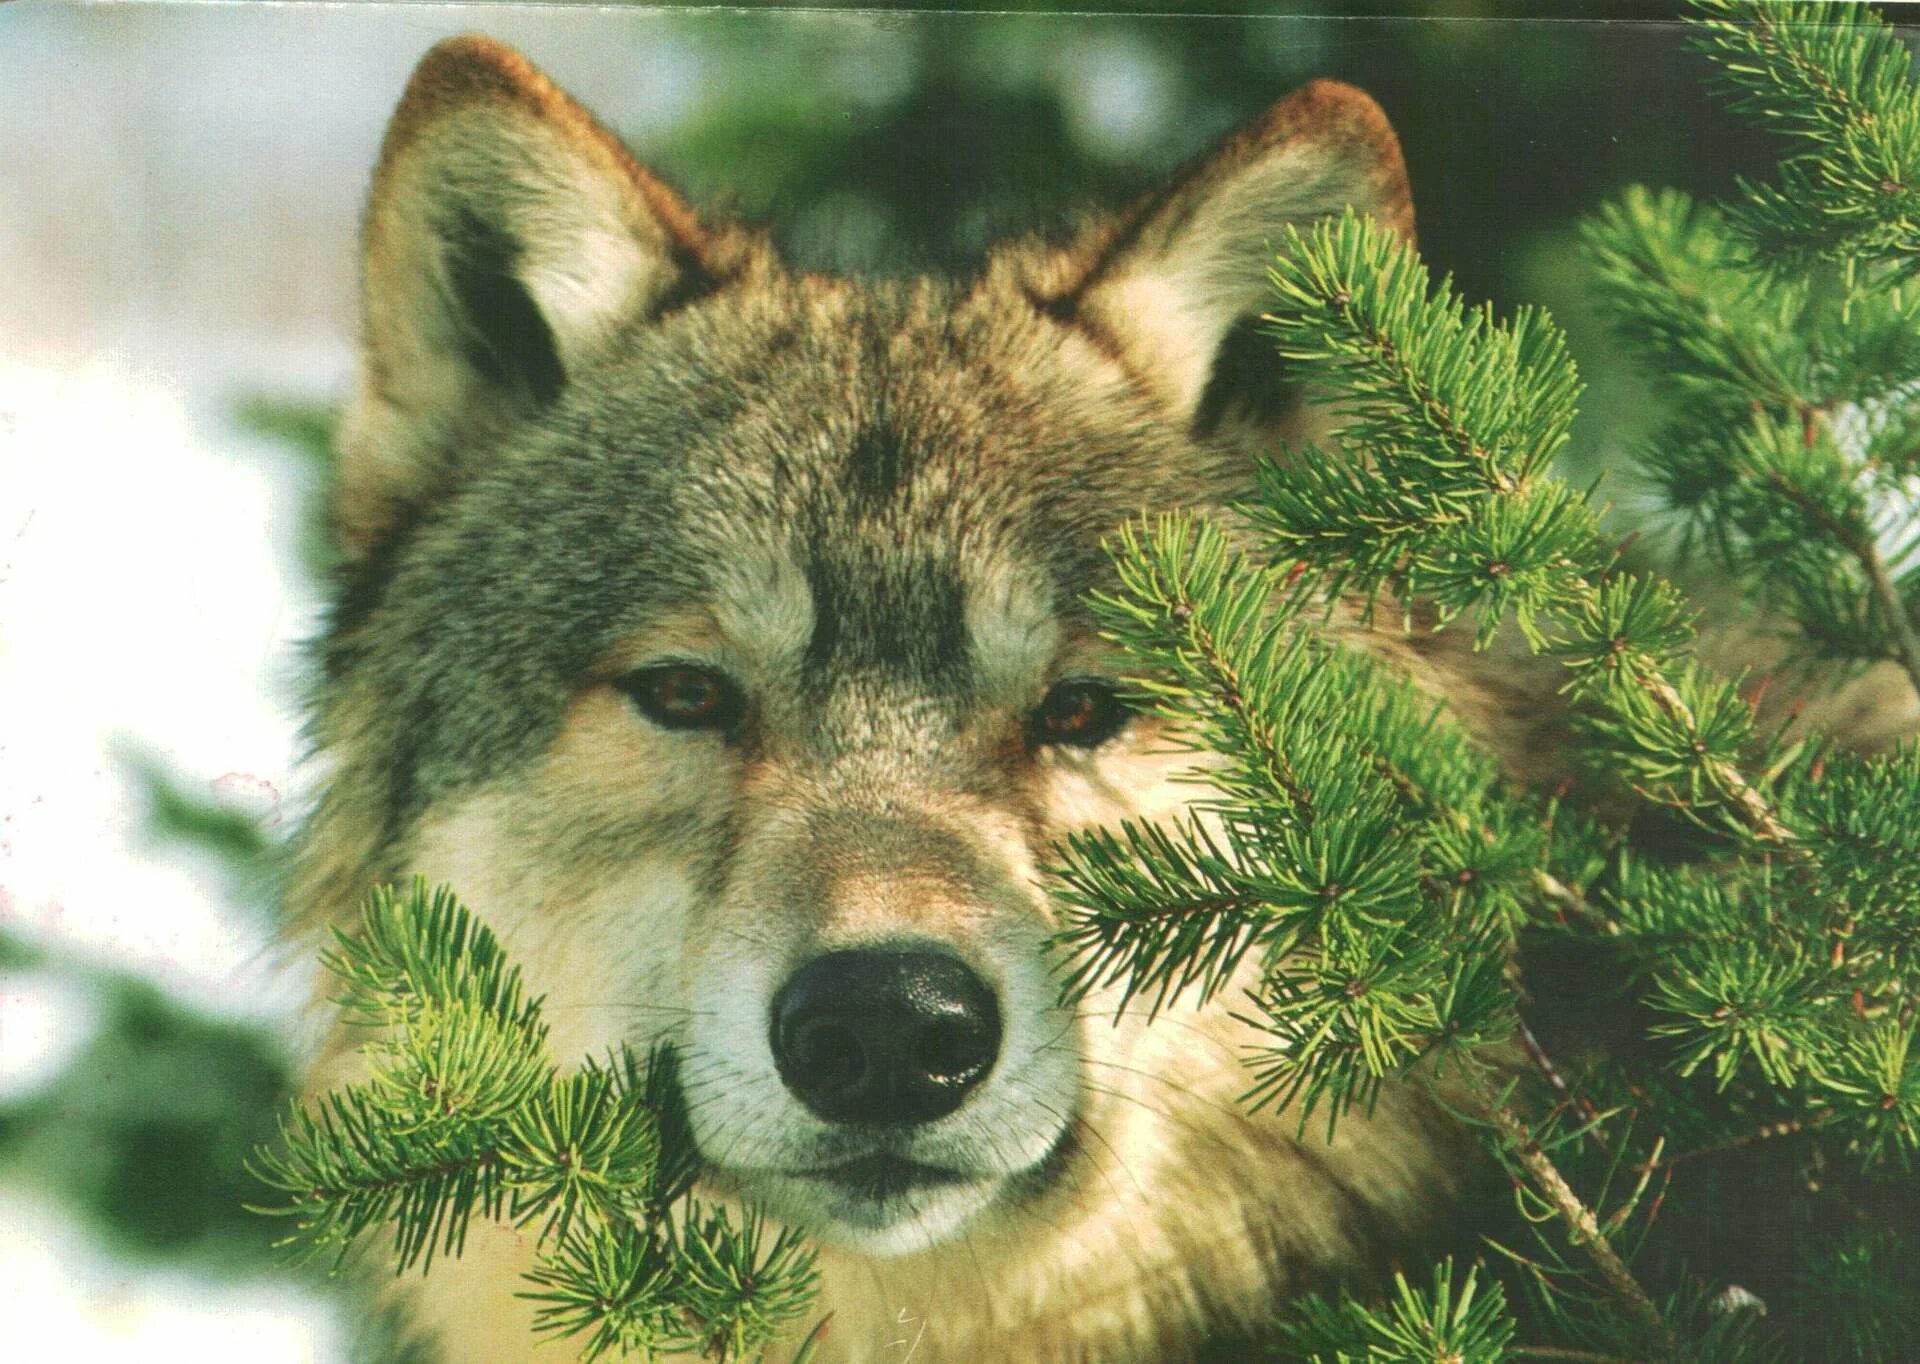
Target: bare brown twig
<point>1772,1131</point>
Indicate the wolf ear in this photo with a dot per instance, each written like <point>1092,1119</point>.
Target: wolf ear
<point>508,235</point>
<point>1165,284</point>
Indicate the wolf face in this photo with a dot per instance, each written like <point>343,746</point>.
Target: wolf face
<point>714,629</point>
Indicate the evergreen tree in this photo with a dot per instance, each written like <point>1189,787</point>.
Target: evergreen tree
<point>1417,918</point>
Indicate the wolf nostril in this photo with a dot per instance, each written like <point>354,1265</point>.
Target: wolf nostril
<point>884,1036</point>
<point>829,1051</point>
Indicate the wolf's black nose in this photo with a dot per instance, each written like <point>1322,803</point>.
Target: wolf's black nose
<point>884,1037</point>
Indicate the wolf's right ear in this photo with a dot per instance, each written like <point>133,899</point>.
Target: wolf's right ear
<point>1165,284</point>
<point>507,237</point>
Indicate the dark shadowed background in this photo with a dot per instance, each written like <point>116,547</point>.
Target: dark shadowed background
<point>178,199</point>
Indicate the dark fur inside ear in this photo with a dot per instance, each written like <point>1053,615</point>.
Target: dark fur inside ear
<point>1170,286</point>
<point>508,241</point>
<point>1249,384</point>
<point>504,336</point>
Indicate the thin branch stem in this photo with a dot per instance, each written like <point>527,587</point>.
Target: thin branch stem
<point>1573,902</point>
<point>1772,1131</point>
<point>1544,1064</point>
<point>1753,806</point>
<point>1583,1227</point>
<point>1906,643</point>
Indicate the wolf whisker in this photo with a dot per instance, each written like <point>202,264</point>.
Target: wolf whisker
<point>1167,1082</point>
<point>678,1010</point>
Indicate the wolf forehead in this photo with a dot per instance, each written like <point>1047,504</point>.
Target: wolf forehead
<point>583,407</point>
<point>900,476</point>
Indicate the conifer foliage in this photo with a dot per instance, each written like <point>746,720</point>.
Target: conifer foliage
<point>463,1116</point>
<point>1395,891</point>
<point>1363,861</point>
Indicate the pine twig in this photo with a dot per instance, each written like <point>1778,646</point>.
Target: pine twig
<point>1583,1226</point>
<point>1544,1064</point>
<point>1859,542</point>
<point>1772,1131</point>
<point>1420,394</point>
<point>1753,806</point>
<point>1573,902</point>
<point>1906,642</point>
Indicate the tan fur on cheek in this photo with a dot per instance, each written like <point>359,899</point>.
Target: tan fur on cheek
<point>605,960</point>
<point>590,868</point>
<point>1139,776</point>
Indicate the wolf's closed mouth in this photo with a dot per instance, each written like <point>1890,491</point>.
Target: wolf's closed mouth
<point>881,1177</point>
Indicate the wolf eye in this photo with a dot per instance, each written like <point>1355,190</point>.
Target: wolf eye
<point>682,696</point>
<point>1082,711</point>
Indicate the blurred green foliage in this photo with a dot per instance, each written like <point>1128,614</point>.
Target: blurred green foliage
<point>302,430</point>
<point>147,1129</point>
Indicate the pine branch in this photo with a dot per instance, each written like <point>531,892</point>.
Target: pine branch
<point>1464,1320</point>
<point>1753,806</point>
<point>1353,838</point>
<point>1677,283</point>
<point>1582,1226</point>
<point>1779,968</point>
<point>1778,477</point>
<point>1412,368</point>
<point>464,1117</point>
<point>346,1173</point>
<point>1161,910</point>
<point>1845,526</point>
<point>1836,81</point>
<point>1357,301</point>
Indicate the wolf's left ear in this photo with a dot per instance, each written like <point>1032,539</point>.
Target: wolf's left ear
<point>508,236</point>
<point>1166,283</point>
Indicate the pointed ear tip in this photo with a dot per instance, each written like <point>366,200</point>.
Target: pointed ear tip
<point>1328,106</point>
<point>473,73</point>
<point>473,59</point>
<point>472,70</point>
<point>469,68</point>
<point>1347,118</point>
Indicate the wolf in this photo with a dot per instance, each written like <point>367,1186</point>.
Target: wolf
<point>715,628</point>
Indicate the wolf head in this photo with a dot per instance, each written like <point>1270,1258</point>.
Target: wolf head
<point>715,630</point>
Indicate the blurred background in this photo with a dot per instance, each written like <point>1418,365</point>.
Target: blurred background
<point>179,196</point>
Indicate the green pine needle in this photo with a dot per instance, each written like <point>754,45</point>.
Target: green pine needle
<point>464,1117</point>
<point>1837,83</point>
<point>1461,1319</point>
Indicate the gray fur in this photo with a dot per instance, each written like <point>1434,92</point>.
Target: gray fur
<point>886,438</point>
